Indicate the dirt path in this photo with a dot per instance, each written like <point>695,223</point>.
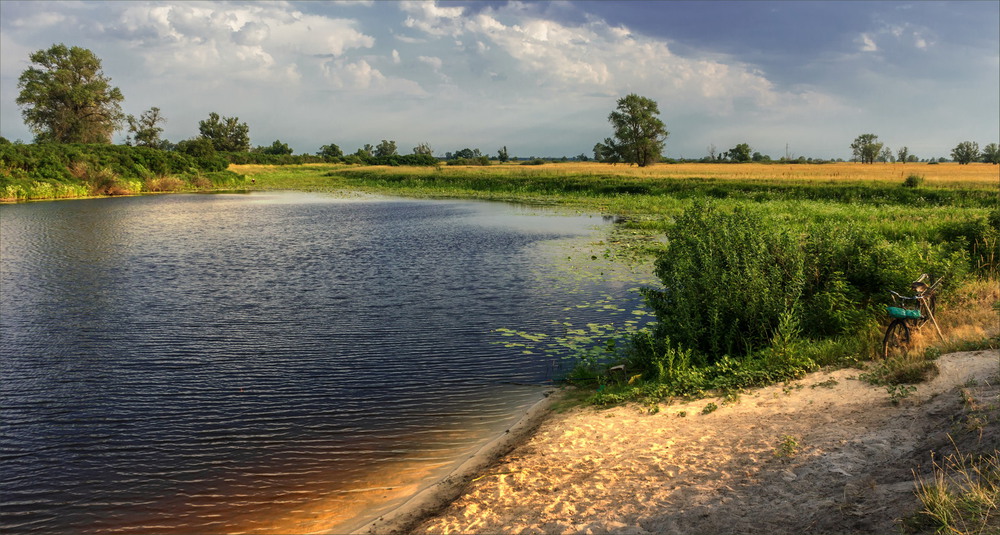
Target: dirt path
<point>826,454</point>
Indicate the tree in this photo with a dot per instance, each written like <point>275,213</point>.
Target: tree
<point>67,98</point>
<point>366,151</point>
<point>330,151</point>
<point>885,155</point>
<point>227,134</point>
<point>423,148</point>
<point>903,154</point>
<point>991,154</point>
<point>502,154</point>
<point>740,153</point>
<point>198,147</point>
<point>277,148</point>
<point>467,154</point>
<point>965,152</point>
<point>385,149</point>
<point>866,148</point>
<point>639,134</point>
<point>603,153</point>
<point>144,132</point>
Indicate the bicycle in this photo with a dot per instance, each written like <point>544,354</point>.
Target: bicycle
<point>897,335</point>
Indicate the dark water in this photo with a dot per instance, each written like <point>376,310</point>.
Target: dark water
<point>262,363</point>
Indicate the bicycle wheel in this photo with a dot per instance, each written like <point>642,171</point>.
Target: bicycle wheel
<point>897,339</point>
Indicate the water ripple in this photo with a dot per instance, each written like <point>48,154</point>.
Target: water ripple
<point>244,363</point>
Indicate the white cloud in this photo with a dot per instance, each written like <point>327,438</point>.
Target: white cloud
<point>434,62</point>
<point>433,19</point>
<point>867,43</point>
<point>252,41</point>
<point>357,75</point>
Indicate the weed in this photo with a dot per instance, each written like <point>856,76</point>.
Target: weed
<point>710,408</point>
<point>829,383</point>
<point>898,393</point>
<point>962,495</point>
<point>787,448</point>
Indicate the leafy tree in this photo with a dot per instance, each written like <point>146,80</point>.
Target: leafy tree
<point>227,134</point>
<point>758,157</point>
<point>366,151</point>
<point>965,152</point>
<point>740,153</point>
<point>385,149</point>
<point>885,155</point>
<point>67,98</point>
<point>604,153</point>
<point>866,148</point>
<point>991,154</point>
<point>198,147</point>
<point>903,154</point>
<point>467,154</point>
<point>144,132</point>
<point>423,148</point>
<point>277,148</point>
<point>639,134</point>
<point>330,151</point>
<point>502,154</point>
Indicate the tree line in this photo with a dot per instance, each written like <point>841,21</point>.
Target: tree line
<point>66,98</point>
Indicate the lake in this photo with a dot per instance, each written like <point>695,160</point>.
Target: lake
<point>271,362</point>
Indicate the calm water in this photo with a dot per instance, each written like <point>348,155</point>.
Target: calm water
<point>263,363</point>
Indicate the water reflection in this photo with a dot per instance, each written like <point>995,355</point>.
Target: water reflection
<point>260,363</point>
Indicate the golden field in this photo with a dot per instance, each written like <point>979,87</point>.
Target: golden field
<point>941,174</point>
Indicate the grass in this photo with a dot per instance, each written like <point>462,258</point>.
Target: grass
<point>962,496</point>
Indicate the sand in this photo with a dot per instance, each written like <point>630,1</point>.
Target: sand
<point>829,453</point>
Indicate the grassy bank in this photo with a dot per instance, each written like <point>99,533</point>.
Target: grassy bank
<point>61,171</point>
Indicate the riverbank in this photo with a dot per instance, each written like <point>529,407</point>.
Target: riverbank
<point>829,453</point>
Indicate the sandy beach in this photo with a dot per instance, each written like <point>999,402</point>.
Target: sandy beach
<point>829,453</point>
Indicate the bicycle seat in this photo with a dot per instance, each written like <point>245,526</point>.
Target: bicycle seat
<point>904,313</point>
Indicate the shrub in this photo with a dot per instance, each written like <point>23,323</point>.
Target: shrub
<point>913,181</point>
<point>728,278</point>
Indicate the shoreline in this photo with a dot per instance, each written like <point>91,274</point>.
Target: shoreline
<point>440,494</point>
<point>828,453</point>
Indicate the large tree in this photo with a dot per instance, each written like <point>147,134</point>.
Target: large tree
<point>66,97</point>
<point>423,148</point>
<point>991,153</point>
<point>144,131</point>
<point>866,148</point>
<point>385,149</point>
<point>965,152</point>
<point>227,134</point>
<point>740,153</point>
<point>639,134</point>
<point>330,151</point>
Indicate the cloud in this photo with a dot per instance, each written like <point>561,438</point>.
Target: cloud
<point>251,41</point>
<point>434,62</point>
<point>867,44</point>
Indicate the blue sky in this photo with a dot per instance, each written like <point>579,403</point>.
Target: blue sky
<point>538,77</point>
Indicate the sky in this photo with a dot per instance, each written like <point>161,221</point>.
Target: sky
<point>802,78</point>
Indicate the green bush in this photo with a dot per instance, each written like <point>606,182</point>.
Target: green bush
<point>737,284</point>
<point>913,181</point>
<point>728,278</point>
